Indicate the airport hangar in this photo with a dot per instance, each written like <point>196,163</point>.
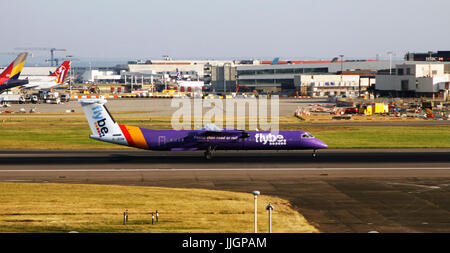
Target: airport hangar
<point>318,78</point>
<point>414,79</point>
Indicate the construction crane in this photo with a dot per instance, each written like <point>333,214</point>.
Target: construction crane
<point>13,53</point>
<point>67,58</point>
<point>52,50</point>
<point>8,53</point>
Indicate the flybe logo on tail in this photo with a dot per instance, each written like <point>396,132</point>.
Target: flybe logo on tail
<point>100,121</point>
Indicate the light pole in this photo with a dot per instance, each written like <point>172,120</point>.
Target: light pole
<point>342,62</point>
<point>164,79</point>
<point>224,78</point>
<point>390,62</point>
<point>70,73</point>
<point>270,208</point>
<point>256,193</point>
<point>429,63</point>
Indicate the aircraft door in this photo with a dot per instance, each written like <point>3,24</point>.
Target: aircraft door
<point>162,141</point>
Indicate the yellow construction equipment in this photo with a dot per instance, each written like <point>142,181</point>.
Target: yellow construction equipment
<point>368,110</point>
<point>381,108</point>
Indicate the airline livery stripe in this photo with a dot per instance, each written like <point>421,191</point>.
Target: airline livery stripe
<point>18,64</point>
<point>17,69</point>
<point>14,77</point>
<point>127,135</point>
<point>137,136</point>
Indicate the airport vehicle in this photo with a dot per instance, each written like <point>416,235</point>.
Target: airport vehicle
<point>65,98</point>
<point>52,80</point>
<point>32,99</point>
<point>11,98</point>
<point>51,97</point>
<point>210,138</point>
<point>351,110</point>
<point>9,78</point>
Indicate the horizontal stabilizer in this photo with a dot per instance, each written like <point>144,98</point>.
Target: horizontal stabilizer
<point>101,100</point>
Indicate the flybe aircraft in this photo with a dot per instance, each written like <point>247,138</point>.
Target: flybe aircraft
<point>9,78</point>
<point>54,79</point>
<point>210,138</point>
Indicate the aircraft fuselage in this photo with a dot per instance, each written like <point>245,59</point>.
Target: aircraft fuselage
<point>198,140</point>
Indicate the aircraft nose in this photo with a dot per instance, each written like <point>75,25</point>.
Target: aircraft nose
<point>320,144</point>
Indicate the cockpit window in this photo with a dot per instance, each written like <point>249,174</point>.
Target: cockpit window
<point>307,135</point>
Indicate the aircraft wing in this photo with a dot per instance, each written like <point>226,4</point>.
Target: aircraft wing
<point>30,85</point>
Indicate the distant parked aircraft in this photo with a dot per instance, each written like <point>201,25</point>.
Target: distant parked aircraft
<point>54,79</point>
<point>188,85</point>
<point>211,138</point>
<point>9,78</point>
<point>275,61</point>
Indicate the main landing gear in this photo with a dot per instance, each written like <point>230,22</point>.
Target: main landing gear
<point>209,153</point>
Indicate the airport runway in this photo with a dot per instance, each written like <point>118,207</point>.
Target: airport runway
<point>400,190</point>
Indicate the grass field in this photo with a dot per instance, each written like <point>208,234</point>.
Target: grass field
<point>72,132</point>
<point>383,136</point>
<point>45,208</point>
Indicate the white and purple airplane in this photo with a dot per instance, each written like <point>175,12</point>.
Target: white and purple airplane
<point>211,138</point>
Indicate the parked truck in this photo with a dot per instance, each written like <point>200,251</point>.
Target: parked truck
<point>11,98</point>
<point>32,99</point>
<point>49,97</point>
<point>65,98</point>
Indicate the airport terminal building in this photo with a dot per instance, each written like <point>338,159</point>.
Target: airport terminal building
<point>329,85</point>
<point>413,79</point>
<point>281,77</point>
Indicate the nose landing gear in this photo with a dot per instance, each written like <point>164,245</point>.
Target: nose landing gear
<point>314,154</point>
<point>209,153</point>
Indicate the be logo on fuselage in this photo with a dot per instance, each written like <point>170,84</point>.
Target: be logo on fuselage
<point>100,123</point>
<point>270,139</point>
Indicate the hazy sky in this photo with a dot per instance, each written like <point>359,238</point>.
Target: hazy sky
<point>227,28</point>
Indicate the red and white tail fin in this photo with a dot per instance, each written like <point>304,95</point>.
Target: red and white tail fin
<point>61,72</point>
